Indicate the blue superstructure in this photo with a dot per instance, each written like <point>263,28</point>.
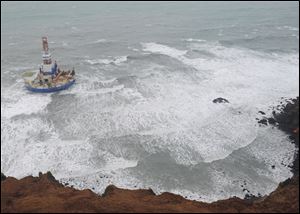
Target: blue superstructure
<point>50,89</point>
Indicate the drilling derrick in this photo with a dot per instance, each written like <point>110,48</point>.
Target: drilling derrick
<point>46,54</point>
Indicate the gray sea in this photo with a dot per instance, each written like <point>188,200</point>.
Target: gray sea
<point>141,113</point>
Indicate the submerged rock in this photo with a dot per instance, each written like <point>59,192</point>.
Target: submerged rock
<point>263,121</point>
<point>220,100</point>
<point>272,121</point>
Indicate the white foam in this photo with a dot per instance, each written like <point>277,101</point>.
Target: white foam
<point>81,90</point>
<point>21,68</point>
<point>108,81</point>
<point>16,137</point>
<point>120,59</point>
<point>133,49</point>
<point>161,110</point>
<point>194,40</point>
<point>98,61</point>
<point>19,101</point>
<point>230,75</point>
<point>115,163</point>
<point>94,85</point>
<point>65,44</point>
<point>38,154</point>
<point>40,149</point>
<point>113,60</point>
<point>73,28</point>
<point>99,41</point>
<point>226,182</point>
<point>163,49</point>
<point>286,27</point>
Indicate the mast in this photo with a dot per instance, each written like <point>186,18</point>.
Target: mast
<point>46,54</point>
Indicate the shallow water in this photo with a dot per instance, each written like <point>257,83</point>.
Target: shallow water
<point>141,113</point>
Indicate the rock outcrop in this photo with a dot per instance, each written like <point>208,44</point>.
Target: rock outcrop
<point>287,120</point>
<point>220,100</point>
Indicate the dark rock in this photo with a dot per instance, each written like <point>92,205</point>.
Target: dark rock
<point>292,137</point>
<point>51,177</point>
<point>286,182</point>
<point>272,121</point>
<point>249,196</point>
<point>220,100</point>
<point>261,112</point>
<point>3,177</point>
<point>150,192</point>
<point>109,190</point>
<point>287,120</point>
<point>273,166</point>
<point>263,121</point>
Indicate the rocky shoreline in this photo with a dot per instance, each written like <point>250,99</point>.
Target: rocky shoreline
<point>46,194</point>
<point>287,120</point>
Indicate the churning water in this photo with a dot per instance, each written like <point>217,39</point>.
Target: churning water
<point>141,113</point>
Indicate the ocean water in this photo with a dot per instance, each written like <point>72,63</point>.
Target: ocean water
<point>141,113</point>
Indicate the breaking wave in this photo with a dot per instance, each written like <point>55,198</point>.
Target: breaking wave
<point>128,127</point>
<point>112,60</point>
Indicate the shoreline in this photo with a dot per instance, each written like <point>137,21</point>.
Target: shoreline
<point>46,194</point>
<point>287,120</point>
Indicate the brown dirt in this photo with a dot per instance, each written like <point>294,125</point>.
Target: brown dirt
<point>45,194</point>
